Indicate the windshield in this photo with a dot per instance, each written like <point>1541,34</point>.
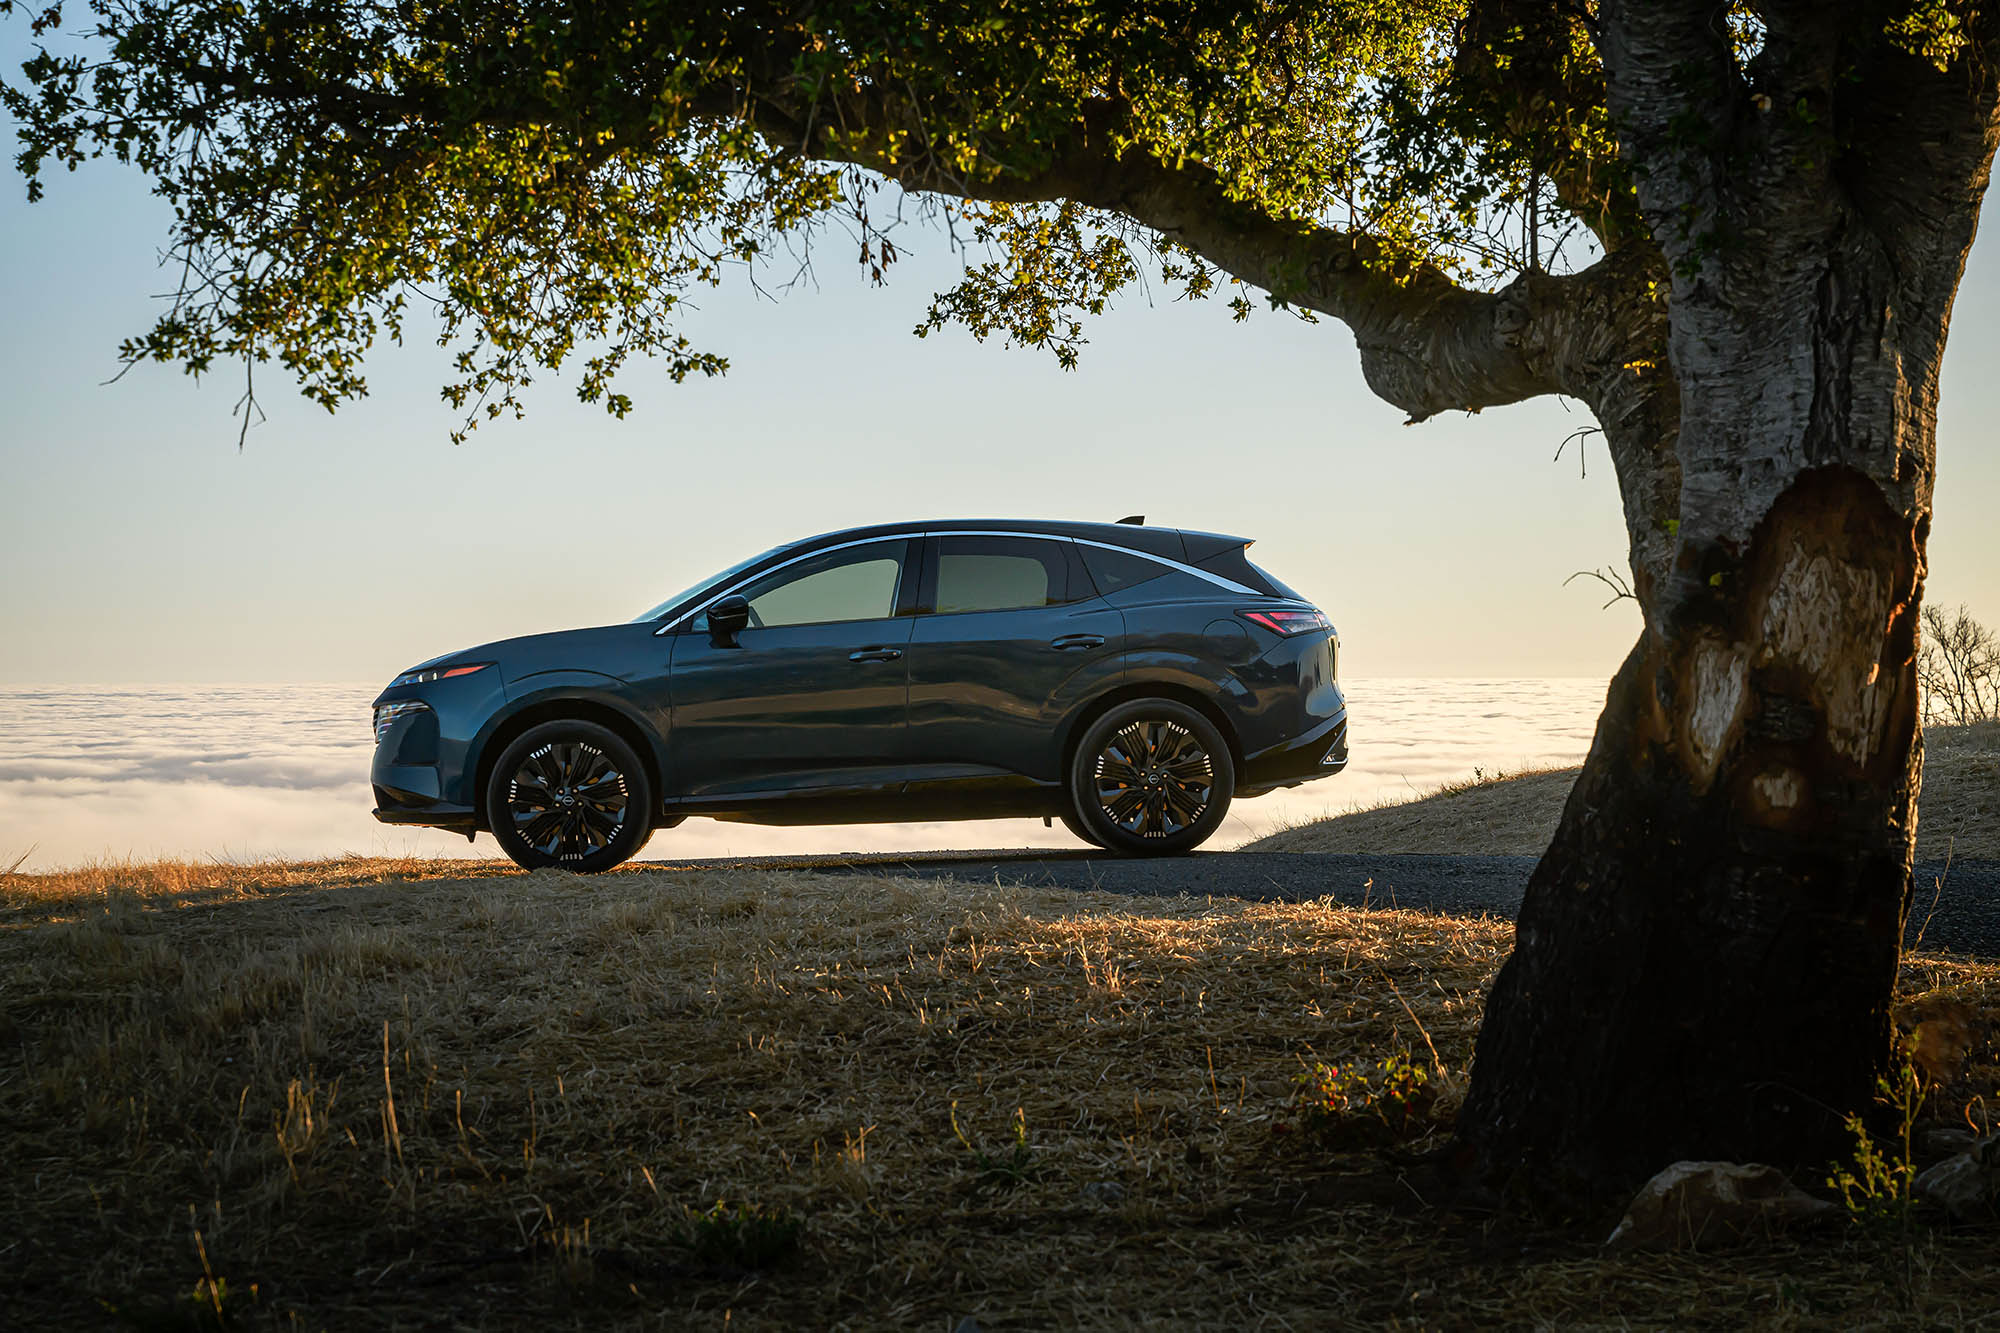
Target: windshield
<point>688,593</point>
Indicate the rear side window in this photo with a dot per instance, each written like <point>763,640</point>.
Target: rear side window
<point>1000,574</point>
<point>1114,570</point>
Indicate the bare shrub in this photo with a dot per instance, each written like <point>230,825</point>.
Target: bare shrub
<point>1959,667</point>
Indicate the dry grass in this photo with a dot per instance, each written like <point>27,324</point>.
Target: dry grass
<point>1515,814</point>
<point>410,1094</point>
<point>1959,811</point>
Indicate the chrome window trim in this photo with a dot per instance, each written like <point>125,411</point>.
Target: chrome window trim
<point>1229,585</point>
<point>1217,579</point>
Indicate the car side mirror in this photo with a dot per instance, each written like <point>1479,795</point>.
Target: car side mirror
<point>727,619</point>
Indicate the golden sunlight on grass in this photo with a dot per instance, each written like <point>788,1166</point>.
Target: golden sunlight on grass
<point>1515,814</point>
<point>445,1094</point>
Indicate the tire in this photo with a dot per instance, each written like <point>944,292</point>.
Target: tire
<point>569,794</point>
<point>1151,778</point>
<point>1078,827</point>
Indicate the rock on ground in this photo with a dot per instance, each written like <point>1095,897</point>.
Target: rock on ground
<point>1695,1204</point>
<point>1966,1186</point>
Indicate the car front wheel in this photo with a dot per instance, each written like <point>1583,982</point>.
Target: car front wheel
<point>569,794</point>
<point>1152,777</point>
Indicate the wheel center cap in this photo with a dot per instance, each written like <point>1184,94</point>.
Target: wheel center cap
<point>565,798</point>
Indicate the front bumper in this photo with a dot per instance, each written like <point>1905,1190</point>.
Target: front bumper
<point>421,768</point>
<point>1320,753</point>
<point>455,819</point>
<point>414,793</point>
<point>399,804</point>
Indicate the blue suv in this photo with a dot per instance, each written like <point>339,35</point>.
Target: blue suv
<point>1128,680</point>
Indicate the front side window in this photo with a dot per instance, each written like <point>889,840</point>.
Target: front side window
<point>1000,574</point>
<point>858,583</point>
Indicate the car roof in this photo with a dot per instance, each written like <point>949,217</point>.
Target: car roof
<point>1173,543</point>
<point>1178,544</point>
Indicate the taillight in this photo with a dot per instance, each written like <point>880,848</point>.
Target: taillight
<point>1287,621</point>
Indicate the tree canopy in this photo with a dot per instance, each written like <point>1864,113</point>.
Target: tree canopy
<point>544,178</point>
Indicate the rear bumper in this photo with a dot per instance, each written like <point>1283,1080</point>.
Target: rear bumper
<point>1320,753</point>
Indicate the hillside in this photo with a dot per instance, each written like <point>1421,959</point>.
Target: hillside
<point>1515,814</point>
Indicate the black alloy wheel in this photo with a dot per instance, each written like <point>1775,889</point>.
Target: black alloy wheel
<point>1151,778</point>
<point>570,794</point>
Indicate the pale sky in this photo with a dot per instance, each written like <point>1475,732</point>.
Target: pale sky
<point>140,545</point>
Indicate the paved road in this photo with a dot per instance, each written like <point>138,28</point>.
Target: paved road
<point>1957,910</point>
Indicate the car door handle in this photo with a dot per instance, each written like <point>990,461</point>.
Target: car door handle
<point>875,655</point>
<point>1069,641</point>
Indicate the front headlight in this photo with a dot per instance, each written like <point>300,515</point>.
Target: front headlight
<point>426,675</point>
<point>385,714</point>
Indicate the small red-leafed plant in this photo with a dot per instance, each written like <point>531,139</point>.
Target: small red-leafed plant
<point>1385,1100</point>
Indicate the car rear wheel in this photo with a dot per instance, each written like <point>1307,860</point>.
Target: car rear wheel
<point>570,794</point>
<point>1152,777</point>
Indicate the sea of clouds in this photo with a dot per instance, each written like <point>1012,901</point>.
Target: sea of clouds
<point>244,772</point>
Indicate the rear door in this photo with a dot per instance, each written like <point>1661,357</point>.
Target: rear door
<point>1010,637</point>
<point>814,695</point>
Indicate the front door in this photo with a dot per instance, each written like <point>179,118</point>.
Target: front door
<point>813,695</point>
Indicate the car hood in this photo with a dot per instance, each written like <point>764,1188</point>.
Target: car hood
<point>601,649</point>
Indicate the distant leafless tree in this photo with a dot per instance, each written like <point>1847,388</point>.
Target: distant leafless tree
<point>1959,667</point>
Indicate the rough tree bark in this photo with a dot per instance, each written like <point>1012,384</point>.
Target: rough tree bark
<point>1706,953</point>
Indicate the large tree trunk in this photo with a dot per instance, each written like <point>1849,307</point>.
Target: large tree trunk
<point>1706,954</point>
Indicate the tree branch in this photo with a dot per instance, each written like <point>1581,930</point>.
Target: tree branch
<point>1672,85</point>
<point>1950,117</point>
<point>1521,80</point>
<point>1427,345</point>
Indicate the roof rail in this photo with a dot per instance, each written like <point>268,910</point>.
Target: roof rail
<point>1138,519</point>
